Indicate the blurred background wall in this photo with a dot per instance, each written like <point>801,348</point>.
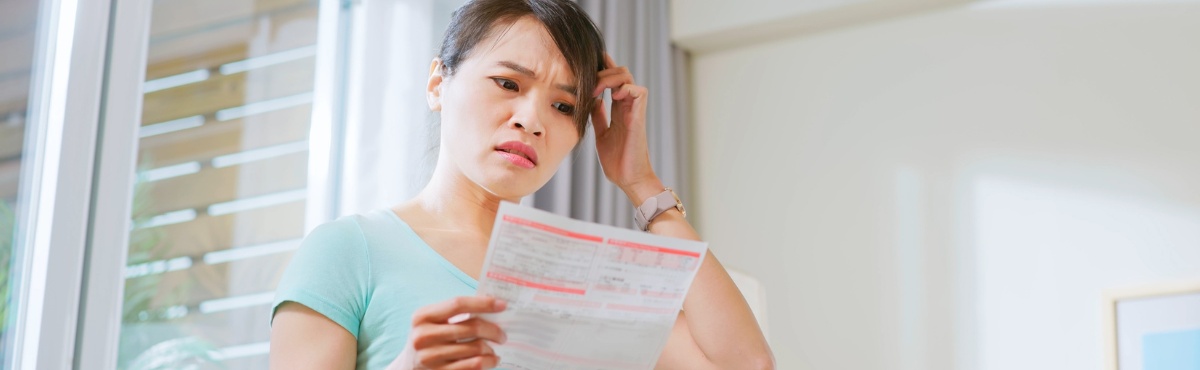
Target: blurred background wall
<point>945,184</point>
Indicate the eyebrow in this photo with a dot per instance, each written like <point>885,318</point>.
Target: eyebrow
<point>529,73</point>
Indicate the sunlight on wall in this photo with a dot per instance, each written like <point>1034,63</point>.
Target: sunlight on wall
<point>1045,251</point>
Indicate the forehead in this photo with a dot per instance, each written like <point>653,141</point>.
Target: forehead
<point>525,42</point>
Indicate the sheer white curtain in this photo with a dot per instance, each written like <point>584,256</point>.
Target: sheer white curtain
<point>389,146</point>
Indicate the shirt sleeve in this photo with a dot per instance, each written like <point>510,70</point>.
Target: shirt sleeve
<point>330,274</point>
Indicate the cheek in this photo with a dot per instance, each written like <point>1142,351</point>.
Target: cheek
<point>469,114</point>
<point>562,148</point>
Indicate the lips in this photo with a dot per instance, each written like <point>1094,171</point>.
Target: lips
<point>518,153</point>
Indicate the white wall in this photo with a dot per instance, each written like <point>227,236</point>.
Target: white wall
<point>955,189</point>
<point>703,17</point>
<point>705,25</point>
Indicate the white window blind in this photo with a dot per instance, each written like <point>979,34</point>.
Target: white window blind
<point>219,204</point>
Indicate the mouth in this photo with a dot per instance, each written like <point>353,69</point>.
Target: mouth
<point>518,153</point>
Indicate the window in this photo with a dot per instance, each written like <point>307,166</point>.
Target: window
<point>219,201</point>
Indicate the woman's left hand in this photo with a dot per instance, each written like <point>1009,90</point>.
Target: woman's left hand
<point>621,143</point>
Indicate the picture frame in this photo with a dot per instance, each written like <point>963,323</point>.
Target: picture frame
<point>1160,321</point>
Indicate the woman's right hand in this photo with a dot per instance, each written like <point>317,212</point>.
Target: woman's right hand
<point>441,340</point>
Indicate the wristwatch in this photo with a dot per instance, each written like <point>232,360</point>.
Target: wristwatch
<point>655,206</point>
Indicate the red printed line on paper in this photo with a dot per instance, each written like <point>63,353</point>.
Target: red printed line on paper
<point>530,284</point>
<point>622,243</point>
<point>552,229</point>
<point>643,309</point>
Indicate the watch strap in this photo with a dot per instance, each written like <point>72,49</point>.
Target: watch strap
<point>653,207</point>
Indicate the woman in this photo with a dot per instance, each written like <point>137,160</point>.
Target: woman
<point>514,83</point>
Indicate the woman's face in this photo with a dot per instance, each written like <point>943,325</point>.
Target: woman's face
<point>507,111</point>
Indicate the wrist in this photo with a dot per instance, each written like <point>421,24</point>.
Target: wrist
<point>639,191</point>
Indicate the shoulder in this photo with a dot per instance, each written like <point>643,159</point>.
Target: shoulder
<point>334,243</point>
<point>344,229</point>
<point>358,229</point>
<point>363,233</point>
<point>330,273</point>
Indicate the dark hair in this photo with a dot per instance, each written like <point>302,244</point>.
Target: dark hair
<point>573,31</point>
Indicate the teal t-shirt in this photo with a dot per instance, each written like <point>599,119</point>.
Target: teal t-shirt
<point>369,273</point>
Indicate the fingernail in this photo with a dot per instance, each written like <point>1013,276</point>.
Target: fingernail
<point>500,304</point>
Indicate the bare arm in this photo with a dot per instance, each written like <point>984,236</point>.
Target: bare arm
<point>304,339</point>
<point>716,329</point>
<point>716,326</point>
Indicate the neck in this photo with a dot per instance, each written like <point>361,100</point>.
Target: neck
<point>455,203</point>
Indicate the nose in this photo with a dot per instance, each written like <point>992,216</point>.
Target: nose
<point>527,129</point>
<point>526,118</point>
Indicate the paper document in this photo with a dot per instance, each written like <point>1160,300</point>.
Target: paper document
<point>583,295</point>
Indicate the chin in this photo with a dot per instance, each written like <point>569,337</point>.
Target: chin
<point>508,191</point>
<point>504,179</point>
<point>511,185</point>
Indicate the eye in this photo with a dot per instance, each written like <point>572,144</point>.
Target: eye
<point>506,84</point>
<point>564,108</point>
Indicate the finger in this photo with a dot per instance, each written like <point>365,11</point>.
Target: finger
<point>459,318</point>
<point>611,71</point>
<point>442,311</point>
<point>612,82</point>
<point>628,91</point>
<point>599,117</point>
<point>431,335</point>
<point>477,362</point>
<point>608,61</point>
<point>444,355</point>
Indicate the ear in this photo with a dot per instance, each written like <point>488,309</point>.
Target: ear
<point>433,89</point>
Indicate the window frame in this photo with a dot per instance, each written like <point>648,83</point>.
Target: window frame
<point>107,248</point>
<point>55,186</point>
